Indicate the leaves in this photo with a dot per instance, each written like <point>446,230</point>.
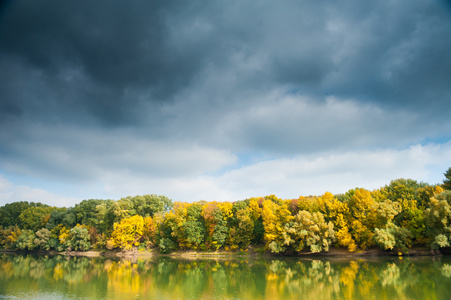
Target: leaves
<point>398,215</point>
<point>309,230</point>
<point>127,232</point>
<point>447,181</point>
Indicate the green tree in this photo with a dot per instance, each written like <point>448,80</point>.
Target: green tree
<point>244,228</point>
<point>61,215</point>
<point>25,241</point>
<point>35,218</point>
<point>447,182</point>
<point>164,238</point>
<point>113,212</point>
<point>194,226</point>
<point>9,213</point>
<point>393,236</point>
<point>85,212</point>
<point>54,241</point>
<point>79,239</point>
<point>104,218</point>
<point>411,195</point>
<point>215,225</point>
<point>438,220</point>
<point>149,205</point>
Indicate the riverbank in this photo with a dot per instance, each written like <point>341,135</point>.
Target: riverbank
<point>191,254</point>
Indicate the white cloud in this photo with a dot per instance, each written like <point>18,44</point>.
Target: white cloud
<point>14,193</point>
<point>302,175</point>
<point>86,154</point>
<point>286,178</point>
<point>339,172</point>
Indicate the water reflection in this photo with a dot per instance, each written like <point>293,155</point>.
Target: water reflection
<point>101,278</point>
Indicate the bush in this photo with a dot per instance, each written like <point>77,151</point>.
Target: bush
<point>79,239</point>
<point>166,245</point>
<point>42,239</point>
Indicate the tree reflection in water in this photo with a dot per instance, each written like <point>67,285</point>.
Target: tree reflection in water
<point>253,278</point>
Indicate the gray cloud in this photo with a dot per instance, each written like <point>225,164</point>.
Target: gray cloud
<point>205,84</point>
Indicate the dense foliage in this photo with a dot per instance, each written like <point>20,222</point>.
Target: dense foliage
<point>400,215</point>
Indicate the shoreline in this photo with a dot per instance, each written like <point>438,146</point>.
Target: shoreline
<point>222,254</point>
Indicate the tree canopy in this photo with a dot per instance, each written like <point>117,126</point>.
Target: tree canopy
<point>396,217</point>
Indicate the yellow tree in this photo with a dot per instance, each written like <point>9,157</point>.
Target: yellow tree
<point>127,232</point>
<point>338,213</point>
<point>254,209</point>
<point>227,210</point>
<point>275,217</point>
<point>309,203</point>
<point>176,220</point>
<point>149,230</point>
<point>8,236</point>
<point>362,209</point>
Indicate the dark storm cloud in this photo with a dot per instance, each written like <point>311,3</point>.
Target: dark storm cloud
<point>114,46</point>
<point>183,96</point>
<point>184,69</point>
<point>376,51</point>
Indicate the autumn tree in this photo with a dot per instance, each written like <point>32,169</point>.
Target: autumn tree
<point>361,218</point>
<point>275,217</point>
<point>127,232</point>
<point>8,236</point>
<point>256,215</point>
<point>338,213</point>
<point>438,220</point>
<point>309,203</point>
<point>215,225</point>
<point>308,230</point>
<point>173,225</point>
<point>149,231</point>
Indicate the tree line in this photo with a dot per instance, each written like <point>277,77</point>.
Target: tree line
<point>398,216</point>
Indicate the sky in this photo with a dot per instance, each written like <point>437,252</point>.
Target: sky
<point>221,100</point>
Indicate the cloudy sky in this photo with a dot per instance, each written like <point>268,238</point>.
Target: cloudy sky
<point>221,100</point>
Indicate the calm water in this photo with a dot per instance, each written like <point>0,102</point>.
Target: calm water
<point>59,277</point>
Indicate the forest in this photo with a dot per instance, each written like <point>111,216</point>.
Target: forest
<point>398,216</point>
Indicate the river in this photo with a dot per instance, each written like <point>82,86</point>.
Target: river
<point>61,277</point>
